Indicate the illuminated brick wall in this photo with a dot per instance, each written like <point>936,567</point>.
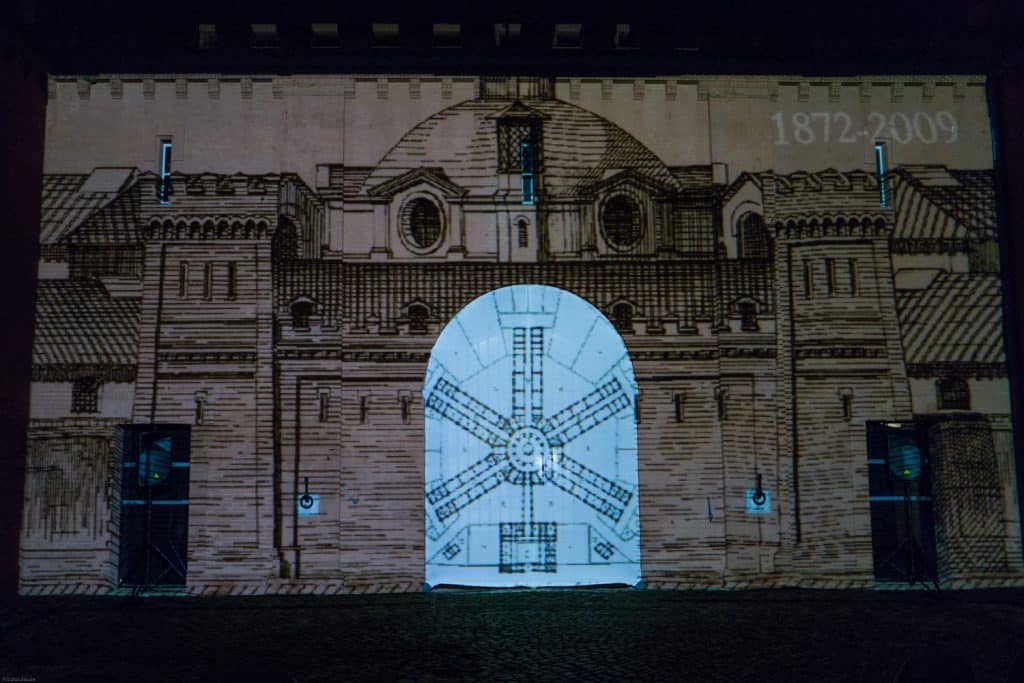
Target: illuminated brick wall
<point>280,304</point>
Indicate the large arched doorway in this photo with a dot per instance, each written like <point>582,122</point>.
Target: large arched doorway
<point>531,461</point>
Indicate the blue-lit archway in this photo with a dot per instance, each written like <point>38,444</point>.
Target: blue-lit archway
<point>531,460</point>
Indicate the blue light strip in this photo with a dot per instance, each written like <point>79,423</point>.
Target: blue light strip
<point>884,499</point>
<point>526,160</point>
<point>880,170</point>
<point>165,171</point>
<point>129,465</point>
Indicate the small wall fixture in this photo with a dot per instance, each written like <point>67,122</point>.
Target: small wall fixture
<point>881,162</point>
<point>720,401</point>
<point>164,184</point>
<point>307,503</point>
<point>846,403</point>
<point>526,157</point>
<point>759,500</point>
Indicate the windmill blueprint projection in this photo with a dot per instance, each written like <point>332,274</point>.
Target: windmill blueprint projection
<point>531,445</point>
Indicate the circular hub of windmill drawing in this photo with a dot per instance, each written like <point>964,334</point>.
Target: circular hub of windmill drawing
<point>528,450</point>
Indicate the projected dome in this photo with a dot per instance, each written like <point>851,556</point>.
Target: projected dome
<point>579,148</point>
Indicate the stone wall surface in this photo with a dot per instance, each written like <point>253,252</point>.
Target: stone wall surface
<point>281,289</point>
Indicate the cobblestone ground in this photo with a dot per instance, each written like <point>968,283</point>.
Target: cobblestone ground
<point>518,636</point>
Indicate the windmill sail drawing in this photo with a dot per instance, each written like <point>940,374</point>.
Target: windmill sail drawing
<point>531,445</point>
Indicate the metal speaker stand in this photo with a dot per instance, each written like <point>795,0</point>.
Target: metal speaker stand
<point>914,568</point>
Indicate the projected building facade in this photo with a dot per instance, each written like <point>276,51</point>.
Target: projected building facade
<point>363,336</point>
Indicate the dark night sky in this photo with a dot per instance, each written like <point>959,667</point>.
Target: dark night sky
<point>752,35</point>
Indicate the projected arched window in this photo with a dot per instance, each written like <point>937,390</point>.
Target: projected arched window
<point>523,230</point>
<point>754,242</point>
<point>622,317</point>
<point>418,315</point>
<point>302,309</point>
<point>530,438</point>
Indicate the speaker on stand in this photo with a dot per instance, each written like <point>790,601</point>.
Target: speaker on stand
<point>905,466</point>
<point>154,471</point>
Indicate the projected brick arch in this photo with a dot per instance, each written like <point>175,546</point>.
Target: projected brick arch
<point>531,462</point>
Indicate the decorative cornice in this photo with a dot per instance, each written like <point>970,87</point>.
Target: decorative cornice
<point>676,354</point>
<point>69,373</point>
<point>626,177</point>
<point>809,226</point>
<point>930,245</point>
<point>747,352</point>
<point>206,356</point>
<point>220,184</point>
<point>957,369</point>
<point>708,84</point>
<point>359,355</point>
<point>209,227</point>
<point>836,352</point>
<point>308,354</point>
<point>75,426</point>
<point>518,110</point>
<point>386,356</point>
<point>428,176</point>
<point>825,180</point>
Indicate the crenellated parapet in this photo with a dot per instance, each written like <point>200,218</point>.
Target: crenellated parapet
<point>239,206</point>
<point>821,196</point>
<point>208,227</point>
<point>817,226</point>
<point>828,180</point>
<point>888,89</point>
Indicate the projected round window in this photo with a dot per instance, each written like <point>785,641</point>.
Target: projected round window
<point>620,222</point>
<point>421,225</point>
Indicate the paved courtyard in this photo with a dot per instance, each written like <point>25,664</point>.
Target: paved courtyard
<point>586,635</point>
